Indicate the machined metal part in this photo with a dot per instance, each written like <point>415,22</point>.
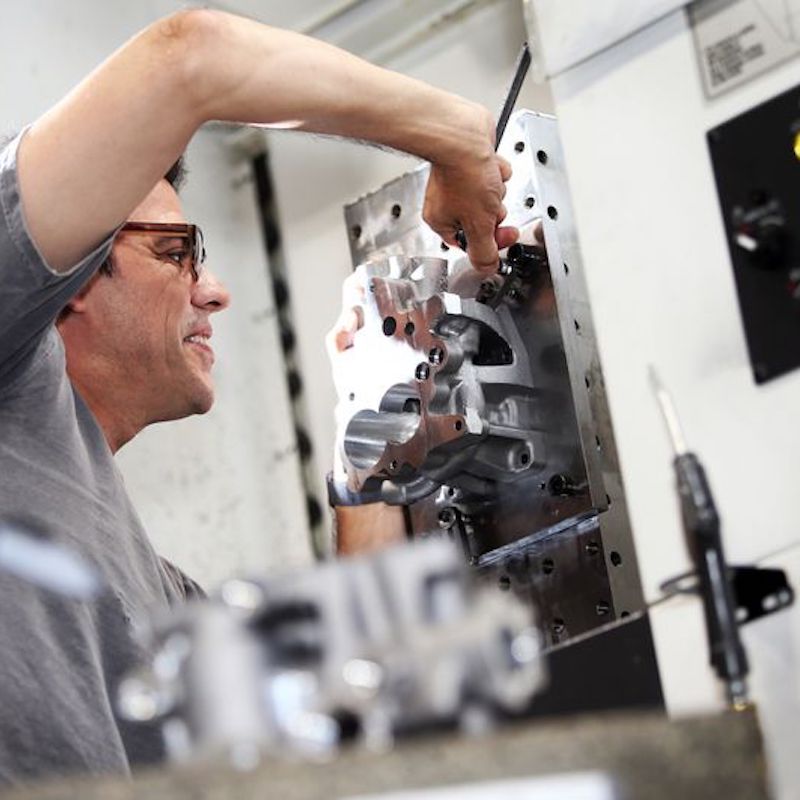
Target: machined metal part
<point>538,304</point>
<point>364,649</point>
<point>467,417</point>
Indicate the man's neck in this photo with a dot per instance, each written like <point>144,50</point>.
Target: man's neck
<point>112,410</point>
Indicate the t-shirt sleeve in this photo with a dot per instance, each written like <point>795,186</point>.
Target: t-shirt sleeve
<point>185,587</point>
<point>31,293</point>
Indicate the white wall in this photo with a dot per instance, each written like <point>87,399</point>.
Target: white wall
<point>633,121</point>
<point>218,494</point>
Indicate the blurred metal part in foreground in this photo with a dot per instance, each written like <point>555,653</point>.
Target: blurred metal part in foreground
<point>363,650</point>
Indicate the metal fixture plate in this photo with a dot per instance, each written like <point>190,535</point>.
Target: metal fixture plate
<point>556,327</point>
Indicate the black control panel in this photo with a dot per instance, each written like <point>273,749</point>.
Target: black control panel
<point>756,159</point>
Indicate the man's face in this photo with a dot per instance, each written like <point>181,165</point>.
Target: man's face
<point>154,320</point>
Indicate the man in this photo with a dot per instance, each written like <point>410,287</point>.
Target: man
<point>81,188</point>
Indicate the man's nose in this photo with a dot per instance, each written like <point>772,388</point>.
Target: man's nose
<point>210,293</point>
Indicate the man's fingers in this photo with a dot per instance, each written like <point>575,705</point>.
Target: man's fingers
<point>505,236</point>
<point>343,334</point>
<point>505,168</point>
<point>482,251</point>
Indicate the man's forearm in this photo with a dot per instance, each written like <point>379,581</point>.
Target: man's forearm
<point>89,161</point>
<point>320,88</point>
<point>367,528</point>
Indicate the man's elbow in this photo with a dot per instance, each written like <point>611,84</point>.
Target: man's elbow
<point>184,44</point>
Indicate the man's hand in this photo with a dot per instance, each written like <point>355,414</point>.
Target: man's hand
<point>467,191</point>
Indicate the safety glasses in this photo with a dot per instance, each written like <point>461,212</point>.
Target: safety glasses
<point>195,251</point>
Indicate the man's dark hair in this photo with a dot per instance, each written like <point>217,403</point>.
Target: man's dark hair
<point>175,176</point>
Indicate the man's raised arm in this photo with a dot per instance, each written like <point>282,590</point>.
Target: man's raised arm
<point>86,163</point>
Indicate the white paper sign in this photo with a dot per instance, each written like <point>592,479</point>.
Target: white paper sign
<point>739,39</point>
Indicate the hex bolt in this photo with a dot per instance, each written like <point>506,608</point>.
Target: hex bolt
<point>436,355</point>
<point>558,627</point>
<point>488,289</point>
<point>592,548</point>
<point>602,608</point>
<point>561,486</point>
<point>447,517</point>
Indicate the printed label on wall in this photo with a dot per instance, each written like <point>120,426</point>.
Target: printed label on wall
<point>739,39</point>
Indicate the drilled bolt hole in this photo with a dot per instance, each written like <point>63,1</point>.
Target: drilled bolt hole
<point>615,558</point>
<point>409,328</point>
<point>548,566</point>
<point>458,425</point>
<point>542,156</point>
<point>519,147</point>
<point>389,326</point>
<point>436,355</point>
<point>356,231</point>
<point>422,372</point>
<point>530,201</point>
<point>552,212</point>
<point>396,210</point>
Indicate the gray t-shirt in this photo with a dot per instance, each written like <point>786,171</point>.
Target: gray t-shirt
<point>61,659</point>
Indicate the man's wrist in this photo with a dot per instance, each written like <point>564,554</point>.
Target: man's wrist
<point>339,495</point>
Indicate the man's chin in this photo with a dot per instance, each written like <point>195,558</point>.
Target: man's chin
<point>203,401</point>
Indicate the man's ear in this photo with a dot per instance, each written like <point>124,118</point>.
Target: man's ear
<point>77,305</point>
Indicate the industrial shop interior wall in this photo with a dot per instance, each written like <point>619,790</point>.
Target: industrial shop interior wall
<point>222,494</point>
